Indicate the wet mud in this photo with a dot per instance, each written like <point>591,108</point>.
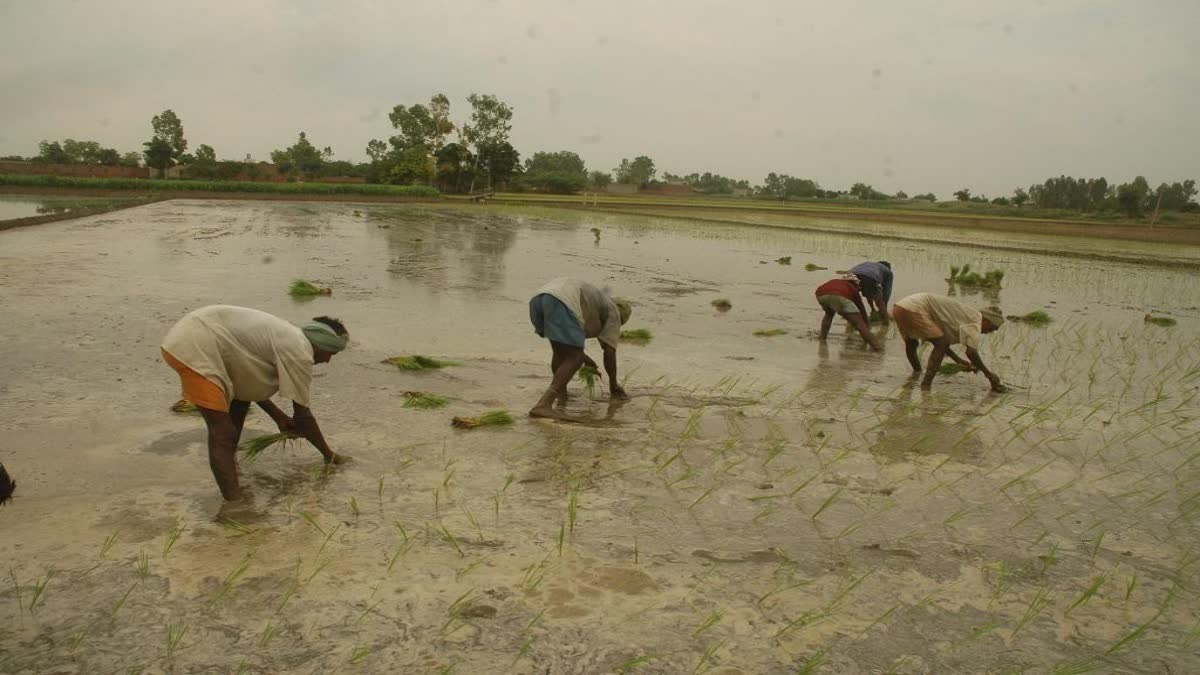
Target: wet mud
<point>757,506</point>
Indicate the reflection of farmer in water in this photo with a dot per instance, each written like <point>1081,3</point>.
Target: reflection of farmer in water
<point>876,278</point>
<point>566,312</point>
<point>841,296</point>
<point>228,357</point>
<point>942,322</point>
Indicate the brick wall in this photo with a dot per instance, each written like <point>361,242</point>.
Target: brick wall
<point>92,170</point>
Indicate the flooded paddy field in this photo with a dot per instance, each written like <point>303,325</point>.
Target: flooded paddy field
<point>760,505</point>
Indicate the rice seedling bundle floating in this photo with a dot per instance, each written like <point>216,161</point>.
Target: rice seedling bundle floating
<point>301,288</point>
<point>963,276</point>
<point>813,267</point>
<point>423,400</point>
<point>722,304</point>
<point>184,406</point>
<point>785,260</point>
<point>1164,321</point>
<point>495,418</point>
<point>639,336</point>
<point>417,362</point>
<point>253,447</point>
<point>1036,317</point>
<point>952,369</point>
<point>769,332</point>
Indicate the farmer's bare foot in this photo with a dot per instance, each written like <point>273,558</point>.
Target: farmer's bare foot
<point>339,459</point>
<point>545,412</point>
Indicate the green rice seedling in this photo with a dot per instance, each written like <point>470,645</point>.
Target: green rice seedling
<point>1088,592</point>
<point>358,654</point>
<point>474,523</point>
<point>301,288</point>
<point>1036,318</point>
<point>1164,321</point>
<point>354,506</point>
<point>174,638</point>
<point>596,233</point>
<point>712,620</point>
<point>1130,585</point>
<point>722,304</point>
<point>709,652</point>
<point>1082,666</point>
<point>881,618</point>
<point>528,643</point>
<point>1136,634</point>
<point>108,544</point>
<point>12,574</point>
<point>268,634</point>
<point>418,362</point>
<point>951,368</point>
<point>813,663</point>
<point>39,590</point>
<point>813,267</point>
<point>308,518</point>
<point>452,540</point>
<point>230,579</point>
<point>635,662</point>
<point>253,447</point>
<point>769,332</point>
<point>588,375</point>
<point>494,418</point>
<point>965,277</point>
<point>185,406</point>
<point>828,500</point>
<point>637,336</point>
<point>1039,602</point>
<point>785,260</point>
<point>562,536</point>
<point>572,508</point>
<point>173,537</point>
<point>423,400</point>
<point>143,565</point>
<point>121,601</point>
<point>534,574</point>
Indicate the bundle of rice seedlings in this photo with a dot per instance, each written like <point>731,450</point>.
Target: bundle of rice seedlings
<point>722,304</point>
<point>588,375</point>
<point>301,288</point>
<point>184,406</point>
<point>951,368</point>
<point>7,486</point>
<point>417,362</point>
<point>965,277</point>
<point>811,267</point>
<point>639,336</point>
<point>785,260</point>
<point>424,400</point>
<point>253,447</point>
<point>494,418</point>
<point>769,332</point>
<point>1036,317</point>
<point>1164,321</point>
<point>596,231</point>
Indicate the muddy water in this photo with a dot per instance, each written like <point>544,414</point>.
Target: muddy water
<point>760,504</point>
<point>13,207</point>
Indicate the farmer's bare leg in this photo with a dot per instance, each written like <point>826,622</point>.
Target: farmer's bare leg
<point>860,323</point>
<point>570,359</point>
<point>556,359</point>
<point>222,450</point>
<point>237,413</point>
<point>826,322</point>
<point>935,361</point>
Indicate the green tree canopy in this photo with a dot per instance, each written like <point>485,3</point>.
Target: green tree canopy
<point>638,172</point>
<point>561,172</point>
<point>169,128</point>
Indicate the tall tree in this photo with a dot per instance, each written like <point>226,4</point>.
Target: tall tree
<point>168,127</point>
<point>205,153</point>
<point>599,179</point>
<point>158,154</point>
<point>638,172</point>
<point>491,121</point>
<point>561,172</point>
<point>303,157</point>
<point>963,195</point>
<point>52,153</point>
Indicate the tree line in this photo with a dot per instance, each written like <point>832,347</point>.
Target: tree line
<point>428,147</point>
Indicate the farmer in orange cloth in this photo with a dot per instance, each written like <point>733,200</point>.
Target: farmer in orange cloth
<point>229,357</point>
<point>567,311</point>
<point>842,296</point>
<point>943,322</point>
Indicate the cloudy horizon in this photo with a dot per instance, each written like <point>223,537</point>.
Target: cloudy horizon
<point>990,96</point>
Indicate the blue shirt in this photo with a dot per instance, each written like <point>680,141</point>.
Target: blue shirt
<point>879,273</point>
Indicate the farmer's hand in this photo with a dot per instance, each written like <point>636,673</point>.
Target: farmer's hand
<point>587,361</point>
<point>285,425</point>
<point>618,392</point>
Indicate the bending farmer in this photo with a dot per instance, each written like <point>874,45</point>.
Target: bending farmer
<point>841,296</point>
<point>876,278</point>
<point>942,322</point>
<point>228,357</point>
<point>566,312</point>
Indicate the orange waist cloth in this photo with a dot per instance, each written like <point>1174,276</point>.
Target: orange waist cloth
<point>196,388</point>
<point>915,325</point>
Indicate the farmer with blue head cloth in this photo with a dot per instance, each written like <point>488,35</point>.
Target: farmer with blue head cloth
<point>567,312</point>
<point>228,357</point>
<point>876,278</point>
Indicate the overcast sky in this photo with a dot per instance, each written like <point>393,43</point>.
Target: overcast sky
<point>920,95</point>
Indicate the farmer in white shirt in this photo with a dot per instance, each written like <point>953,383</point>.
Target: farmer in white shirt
<point>943,322</point>
<point>229,357</point>
<point>567,312</point>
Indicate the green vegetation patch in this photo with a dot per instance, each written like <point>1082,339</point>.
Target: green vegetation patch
<point>1164,321</point>
<point>963,276</point>
<point>638,336</point>
<point>495,418</point>
<point>418,362</point>
<point>1036,317</point>
<point>155,185</point>
<point>813,267</point>
<point>785,260</point>
<point>722,304</point>
<point>769,332</point>
<point>952,369</point>
<point>424,400</point>
<point>301,288</point>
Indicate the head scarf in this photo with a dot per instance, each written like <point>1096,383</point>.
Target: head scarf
<point>624,308</point>
<point>852,278</point>
<point>324,337</point>
<point>993,315</point>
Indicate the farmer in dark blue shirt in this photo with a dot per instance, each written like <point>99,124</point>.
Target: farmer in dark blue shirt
<point>876,278</point>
